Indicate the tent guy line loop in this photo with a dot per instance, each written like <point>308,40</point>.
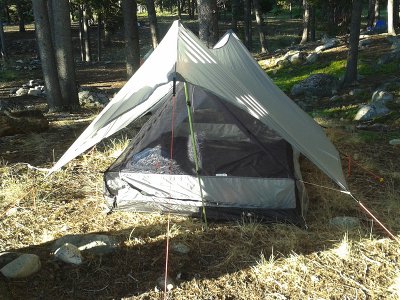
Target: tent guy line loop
<point>325,187</point>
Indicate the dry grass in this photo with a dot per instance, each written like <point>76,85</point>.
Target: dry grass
<point>242,260</point>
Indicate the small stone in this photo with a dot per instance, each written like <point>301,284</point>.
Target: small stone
<point>7,257</point>
<point>381,96</point>
<point>21,92</point>
<point>169,283</point>
<point>19,61</point>
<point>334,98</point>
<point>311,58</point>
<point>345,221</point>
<point>370,111</point>
<point>34,92</point>
<point>21,267</point>
<point>94,243</point>
<point>180,248</point>
<point>69,253</point>
<point>394,142</point>
<point>355,92</point>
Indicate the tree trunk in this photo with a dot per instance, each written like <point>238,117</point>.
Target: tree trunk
<point>129,10</point>
<point>390,16</point>
<point>306,22</point>
<point>49,67</point>
<point>178,6</point>
<point>261,26</point>
<point>352,56</point>
<point>86,30</point>
<point>151,12</point>
<point>371,13</point>
<point>21,17</point>
<point>248,32</point>
<point>396,4</point>
<point>208,21</point>
<point>99,34</point>
<point>107,35</point>
<point>235,15</point>
<point>81,34</point>
<point>64,55</point>
<point>312,22</point>
<point>377,10</point>
<point>3,51</point>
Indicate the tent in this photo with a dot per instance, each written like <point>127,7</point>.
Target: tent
<point>222,136</point>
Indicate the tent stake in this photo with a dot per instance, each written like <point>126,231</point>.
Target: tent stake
<point>196,160</point>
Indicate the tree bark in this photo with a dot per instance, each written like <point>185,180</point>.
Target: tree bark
<point>81,34</point>
<point>235,15</point>
<point>312,22</point>
<point>396,4</point>
<point>371,13</point>
<point>129,10</point>
<point>3,50</point>
<point>248,32</point>
<point>151,12</point>
<point>64,55</point>
<point>208,21</point>
<point>46,52</point>
<point>352,56</point>
<point>99,34</point>
<point>21,17</point>
<point>306,22</point>
<point>377,10</point>
<point>86,30</point>
<point>261,26</point>
<point>390,18</point>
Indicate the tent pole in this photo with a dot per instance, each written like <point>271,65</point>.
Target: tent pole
<point>196,160</point>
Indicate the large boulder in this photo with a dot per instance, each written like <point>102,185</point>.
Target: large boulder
<point>318,85</point>
<point>328,44</point>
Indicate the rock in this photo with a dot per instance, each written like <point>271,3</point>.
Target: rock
<point>180,248</point>
<point>19,61</point>
<point>381,97</point>
<point>364,43</point>
<point>318,85</point>
<point>91,98</point>
<point>69,253</point>
<point>297,58</point>
<point>356,92</point>
<point>21,92</point>
<point>334,98</point>
<point>394,142</point>
<point>370,111</point>
<point>7,257</point>
<point>311,58</point>
<point>34,92</point>
<point>345,221</point>
<point>13,90</point>
<point>21,267</point>
<point>328,43</point>
<point>94,243</point>
<point>161,283</point>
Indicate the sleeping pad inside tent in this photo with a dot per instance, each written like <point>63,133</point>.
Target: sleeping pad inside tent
<point>245,168</point>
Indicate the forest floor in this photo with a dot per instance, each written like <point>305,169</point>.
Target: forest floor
<point>236,260</point>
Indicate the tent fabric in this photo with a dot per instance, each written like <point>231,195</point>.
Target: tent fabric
<point>244,166</point>
<point>229,72</point>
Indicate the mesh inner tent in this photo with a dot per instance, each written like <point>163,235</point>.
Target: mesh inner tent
<point>229,141</point>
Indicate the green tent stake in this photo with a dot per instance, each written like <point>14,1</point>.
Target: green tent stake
<point>196,160</point>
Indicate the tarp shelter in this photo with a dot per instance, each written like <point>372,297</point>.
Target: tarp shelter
<point>247,131</point>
